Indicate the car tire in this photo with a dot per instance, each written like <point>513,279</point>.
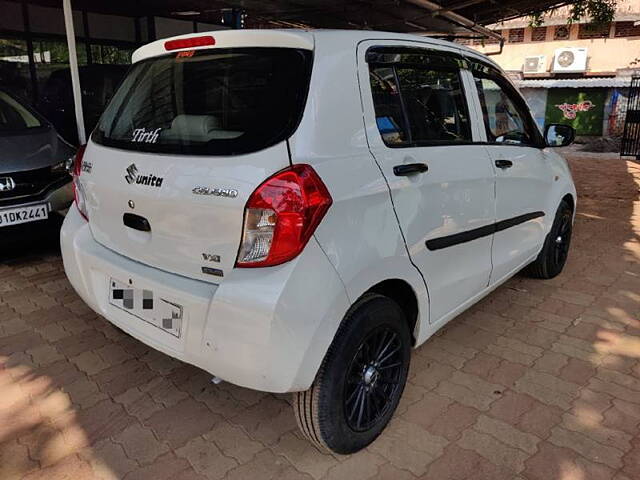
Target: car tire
<point>555,251</point>
<point>361,379</point>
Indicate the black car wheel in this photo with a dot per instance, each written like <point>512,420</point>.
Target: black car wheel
<point>555,251</point>
<point>361,379</point>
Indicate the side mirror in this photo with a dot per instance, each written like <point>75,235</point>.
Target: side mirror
<point>559,135</point>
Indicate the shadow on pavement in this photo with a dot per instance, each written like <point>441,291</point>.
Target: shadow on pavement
<point>30,241</point>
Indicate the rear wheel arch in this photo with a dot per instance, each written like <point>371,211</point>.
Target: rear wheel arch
<point>404,295</point>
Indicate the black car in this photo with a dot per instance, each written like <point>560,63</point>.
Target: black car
<point>98,83</point>
<point>34,180</point>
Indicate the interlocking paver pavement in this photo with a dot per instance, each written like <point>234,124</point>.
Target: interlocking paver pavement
<point>539,381</point>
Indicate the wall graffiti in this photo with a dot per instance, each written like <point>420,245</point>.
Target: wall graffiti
<point>583,109</point>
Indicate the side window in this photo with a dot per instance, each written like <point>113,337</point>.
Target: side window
<point>435,105</point>
<point>417,105</point>
<point>504,120</point>
<point>388,106</point>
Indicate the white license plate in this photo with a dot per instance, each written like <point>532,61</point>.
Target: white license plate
<point>18,215</point>
<point>147,306</point>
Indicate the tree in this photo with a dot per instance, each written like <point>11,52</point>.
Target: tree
<point>599,12</point>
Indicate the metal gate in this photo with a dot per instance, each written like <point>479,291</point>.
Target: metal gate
<point>631,136</point>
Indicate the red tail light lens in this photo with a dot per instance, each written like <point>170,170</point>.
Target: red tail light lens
<point>281,215</point>
<point>192,42</point>
<point>78,189</point>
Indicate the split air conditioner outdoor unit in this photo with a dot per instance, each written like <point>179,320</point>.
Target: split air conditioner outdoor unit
<point>535,64</point>
<point>568,60</point>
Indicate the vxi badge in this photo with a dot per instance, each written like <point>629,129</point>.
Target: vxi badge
<point>132,177</point>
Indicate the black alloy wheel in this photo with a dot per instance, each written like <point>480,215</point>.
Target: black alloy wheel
<point>373,379</point>
<point>361,379</point>
<point>562,239</point>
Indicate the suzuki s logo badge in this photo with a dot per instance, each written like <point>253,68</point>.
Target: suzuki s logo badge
<point>133,176</point>
<point>132,173</point>
<point>7,184</point>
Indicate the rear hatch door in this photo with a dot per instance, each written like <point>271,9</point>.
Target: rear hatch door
<point>193,208</point>
<point>185,141</point>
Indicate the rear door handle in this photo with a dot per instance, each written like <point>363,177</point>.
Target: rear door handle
<point>504,164</point>
<point>136,222</point>
<point>409,169</point>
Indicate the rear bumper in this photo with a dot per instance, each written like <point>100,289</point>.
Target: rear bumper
<point>266,329</point>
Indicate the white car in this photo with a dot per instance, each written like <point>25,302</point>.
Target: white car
<point>293,211</point>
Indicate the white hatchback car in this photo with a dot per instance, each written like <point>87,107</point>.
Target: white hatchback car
<point>292,211</point>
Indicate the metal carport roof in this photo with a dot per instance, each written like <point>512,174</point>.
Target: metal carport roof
<point>392,15</point>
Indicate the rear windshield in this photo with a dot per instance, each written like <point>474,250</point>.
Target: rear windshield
<point>208,102</point>
<point>15,117</point>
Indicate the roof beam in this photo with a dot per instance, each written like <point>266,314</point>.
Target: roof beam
<point>464,4</point>
<point>437,9</point>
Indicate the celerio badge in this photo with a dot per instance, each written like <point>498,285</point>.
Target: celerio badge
<point>215,191</point>
<point>132,176</point>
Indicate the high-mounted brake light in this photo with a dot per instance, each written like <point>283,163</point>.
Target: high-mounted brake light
<point>78,189</point>
<point>180,43</point>
<point>281,216</point>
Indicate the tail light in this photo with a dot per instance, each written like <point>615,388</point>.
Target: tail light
<point>281,215</point>
<point>78,190</point>
<point>192,42</point>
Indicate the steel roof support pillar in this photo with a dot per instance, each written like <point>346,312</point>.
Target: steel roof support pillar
<point>73,67</point>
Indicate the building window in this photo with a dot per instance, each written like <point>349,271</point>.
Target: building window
<point>486,40</point>
<point>111,55</point>
<point>14,67</point>
<point>491,40</point>
<point>538,34</point>
<point>561,32</point>
<point>627,29</point>
<point>587,30</point>
<point>516,35</point>
<point>51,56</point>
